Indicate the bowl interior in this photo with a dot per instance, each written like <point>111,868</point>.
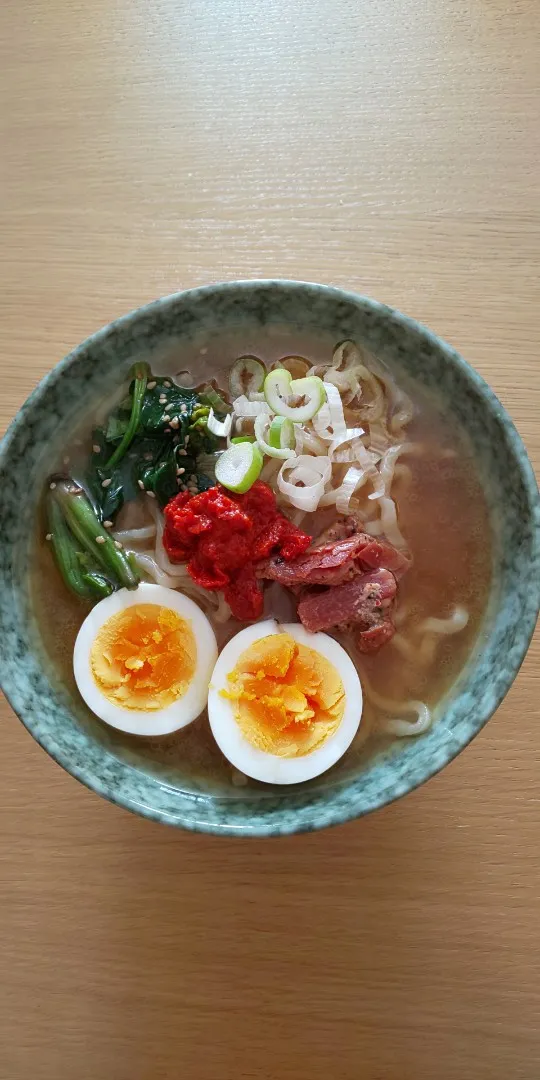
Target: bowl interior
<point>200,332</point>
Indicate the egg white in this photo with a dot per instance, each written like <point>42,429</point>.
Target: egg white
<point>270,768</point>
<point>140,722</point>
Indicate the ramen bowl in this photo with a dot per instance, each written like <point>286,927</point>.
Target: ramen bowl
<point>185,329</point>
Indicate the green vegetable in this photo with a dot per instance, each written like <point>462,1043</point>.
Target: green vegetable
<point>86,528</point>
<point>279,387</point>
<point>201,441</point>
<point>221,428</point>
<point>79,578</point>
<point>281,435</point>
<point>117,425</point>
<point>200,413</point>
<point>239,467</point>
<point>159,475</point>
<point>107,501</point>
<point>140,374</point>
<point>246,376</point>
<point>164,429</point>
<point>267,447</point>
<point>155,414</point>
<point>153,440</point>
<point>209,396</point>
<point>243,438</point>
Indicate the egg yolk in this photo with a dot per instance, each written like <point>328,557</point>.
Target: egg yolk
<point>288,699</point>
<point>144,657</point>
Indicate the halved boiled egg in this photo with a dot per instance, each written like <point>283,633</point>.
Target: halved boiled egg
<point>284,705</point>
<point>143,660</point>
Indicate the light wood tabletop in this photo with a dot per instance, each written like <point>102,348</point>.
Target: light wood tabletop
<point>391,147</point>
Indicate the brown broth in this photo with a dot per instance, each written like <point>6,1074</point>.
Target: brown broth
<point>442,515</point>
<point>444,518</point>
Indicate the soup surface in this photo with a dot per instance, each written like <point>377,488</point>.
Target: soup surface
<point>443,519</point>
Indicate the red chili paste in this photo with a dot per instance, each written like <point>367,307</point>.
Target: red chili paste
<point>222,536</point>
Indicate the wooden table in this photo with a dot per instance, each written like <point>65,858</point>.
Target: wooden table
<point>392,147</point>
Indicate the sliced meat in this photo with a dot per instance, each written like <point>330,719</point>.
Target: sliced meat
<point>377,553</point>
<point>342,528</point>
<point>364,602</point>
<point>330,564</point>
<point>336,561</point>
<point>368,641</point>
<point>348,581</point>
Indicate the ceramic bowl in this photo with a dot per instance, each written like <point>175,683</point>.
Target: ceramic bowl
<point>187,326</point>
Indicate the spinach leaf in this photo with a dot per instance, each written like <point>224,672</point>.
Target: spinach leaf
<point>157,430</point>
<point>163,402</point>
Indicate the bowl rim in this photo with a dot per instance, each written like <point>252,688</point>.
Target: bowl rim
<point>334,815</point>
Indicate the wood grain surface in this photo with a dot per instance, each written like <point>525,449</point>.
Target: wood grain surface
<point>390,146</point>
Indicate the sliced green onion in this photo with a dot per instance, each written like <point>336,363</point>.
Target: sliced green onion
<point>279,387</point>
<point>219,427</point>
<point>266,446</point>
<point>239,467</point>
<point>281,434</point>
<point>209,396</point>
<point>246,376</point>
<point>243,438</point>
<point>202,412</point>
<point>243,407</point>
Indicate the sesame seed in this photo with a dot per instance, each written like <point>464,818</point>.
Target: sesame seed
<point>107,524</point>
<point>167,430</point>
<point>166,418</point>
<point>183,408</point>
<point>151,494</point>
<point>167,384</point>
<point>96,448</point>
<point>183,453</point>
<point>117,544</point>
<point>186,440</point>
<point>180,472</point>
<point>150,385</point>
<point>162,399</point>
<point>100,539</point>
<point>175,422</point>
<point>141,485</point>
<point>48,536</point>
<point>106,483</point>
<point>52,486</point>
<point>193,478</point>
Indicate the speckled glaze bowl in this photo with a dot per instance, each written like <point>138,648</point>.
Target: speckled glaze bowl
<point>251,310</point>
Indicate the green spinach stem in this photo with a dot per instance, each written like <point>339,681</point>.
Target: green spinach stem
<point>140,373</point>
